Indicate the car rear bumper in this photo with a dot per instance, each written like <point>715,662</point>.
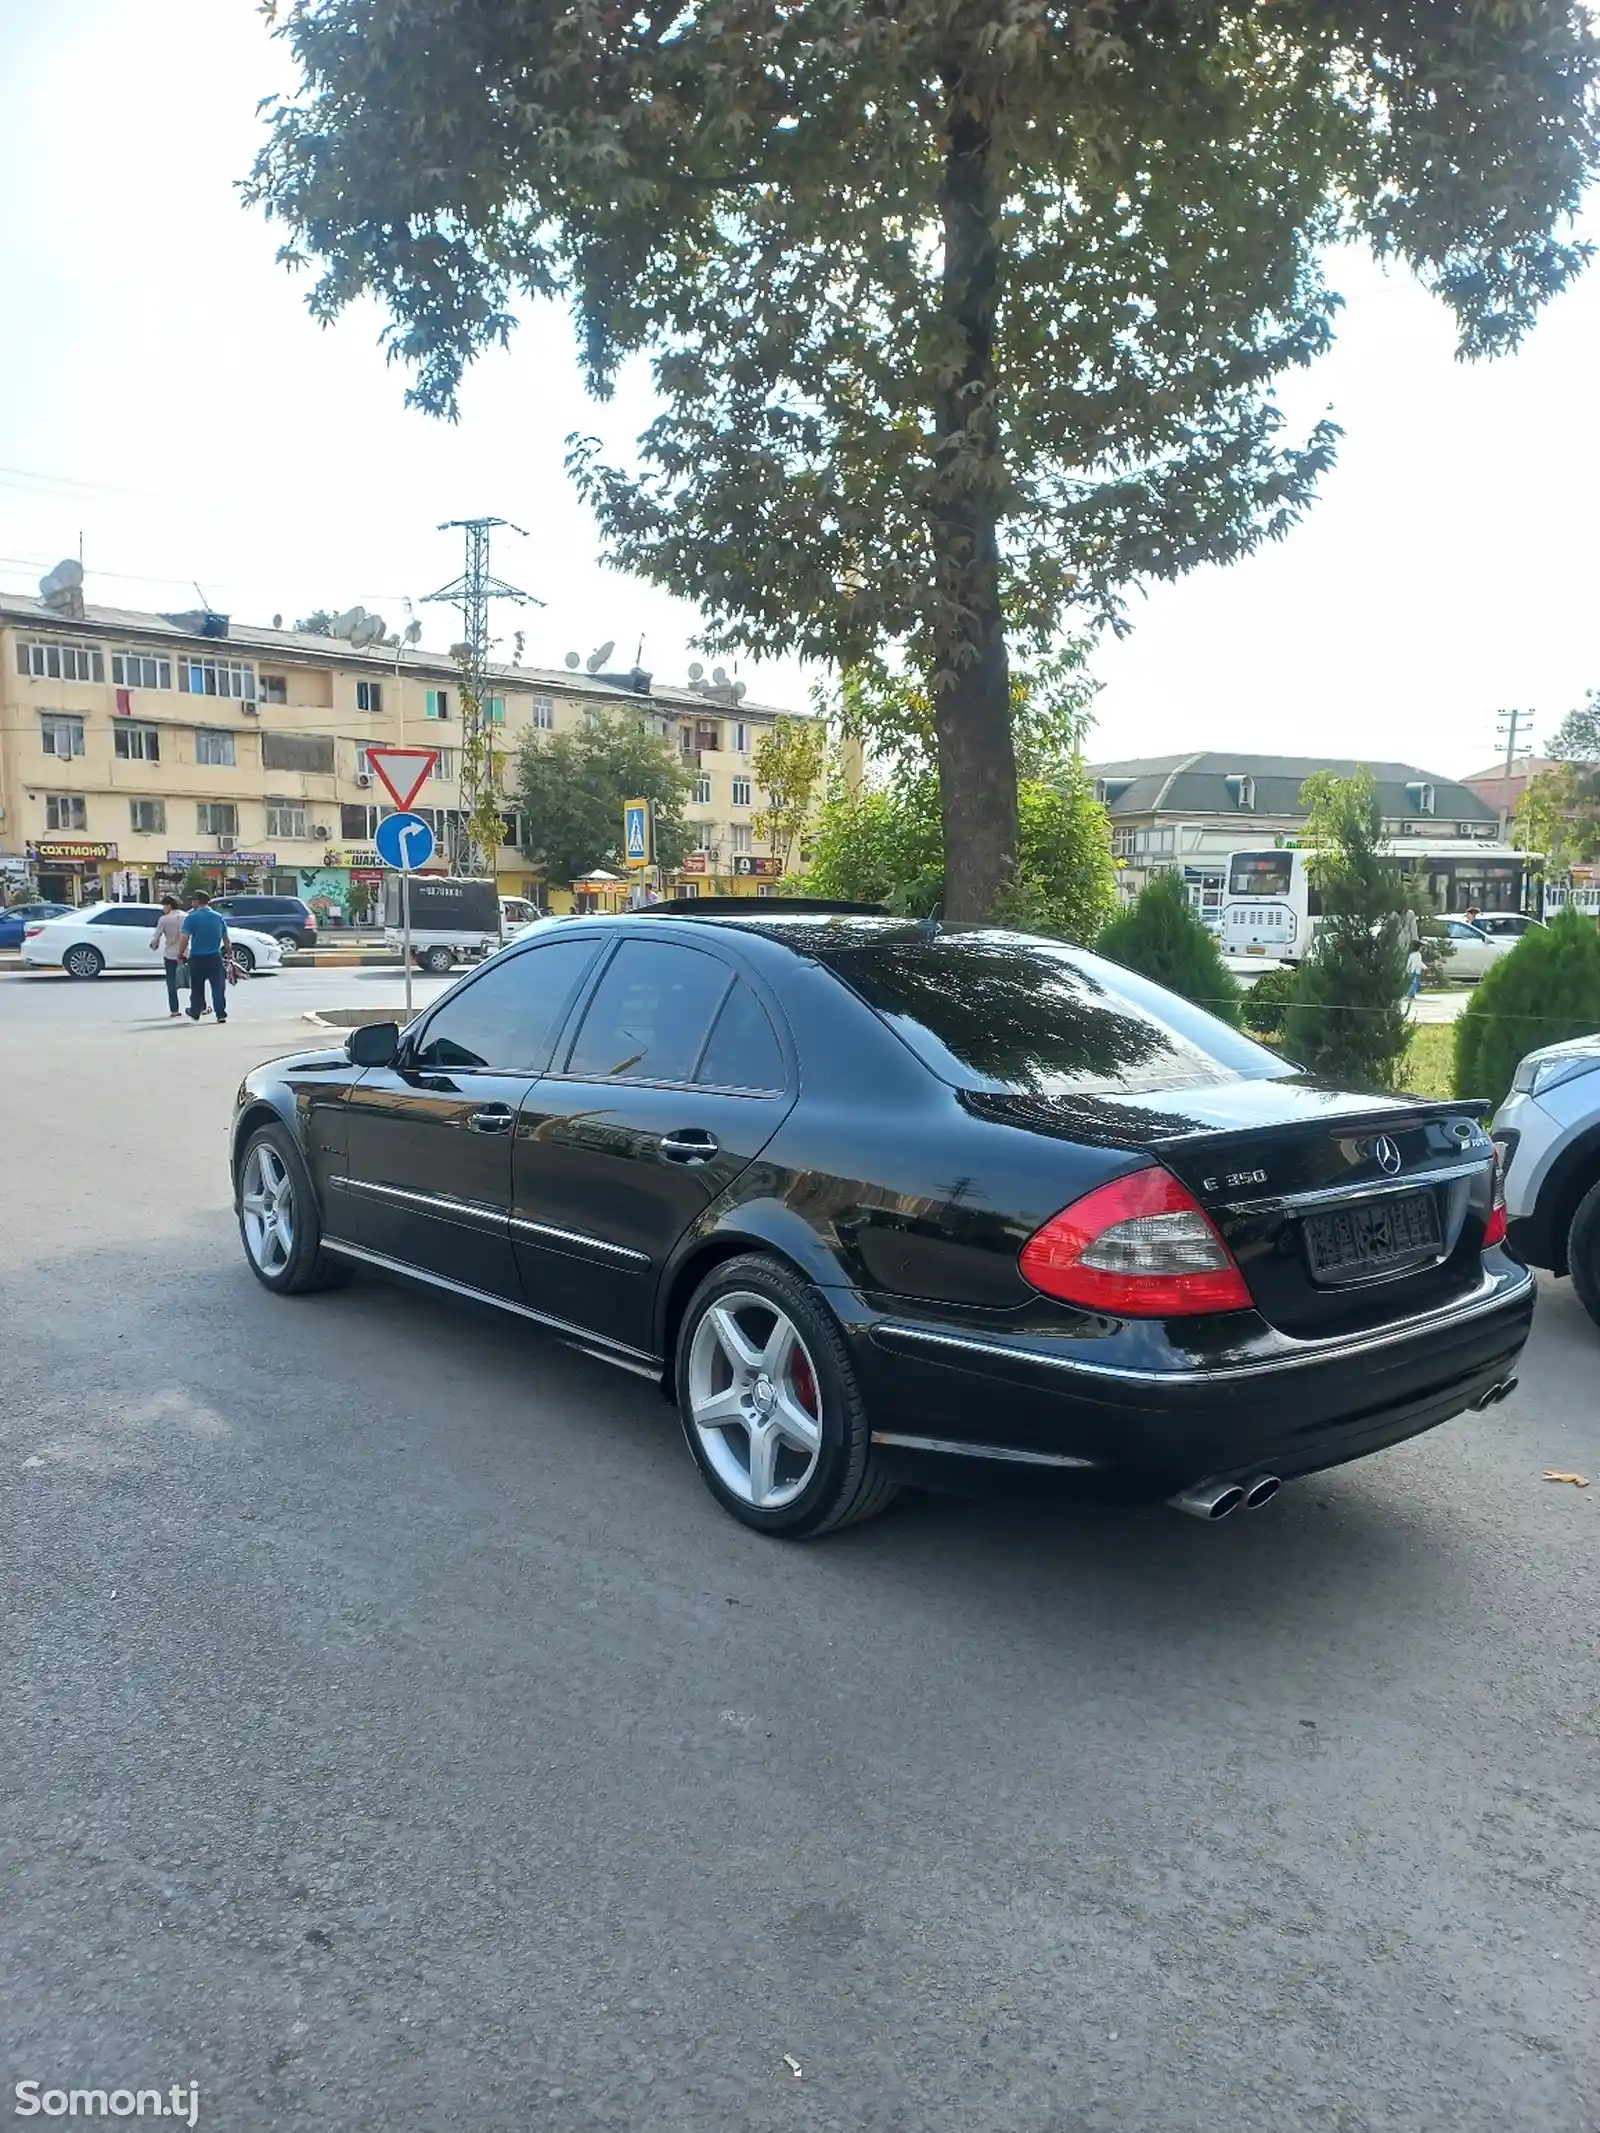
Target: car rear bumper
<point>955,1408</point>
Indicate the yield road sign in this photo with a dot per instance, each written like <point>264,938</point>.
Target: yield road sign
<point>402,771</point>
<point>404,841</point>
<point>636,833</point>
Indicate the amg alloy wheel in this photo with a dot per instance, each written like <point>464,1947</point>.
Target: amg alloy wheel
<point>279,1220</point>
<point>770,1405</point>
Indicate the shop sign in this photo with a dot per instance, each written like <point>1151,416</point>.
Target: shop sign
<point>347,855</point>
<point>751,867</point>
<point>70,852</point>
<point>697,863</point>
<point>219,862</point>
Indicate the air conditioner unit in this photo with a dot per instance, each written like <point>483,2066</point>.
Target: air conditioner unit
<point>227,844</point>
<point>363,777</point>
<point>250,707</point>
<point>321,831</point>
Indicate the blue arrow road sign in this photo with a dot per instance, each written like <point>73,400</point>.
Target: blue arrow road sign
<point>404,841</point>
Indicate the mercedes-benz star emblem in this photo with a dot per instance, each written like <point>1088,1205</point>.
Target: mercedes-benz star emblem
<point>1388,1155</point>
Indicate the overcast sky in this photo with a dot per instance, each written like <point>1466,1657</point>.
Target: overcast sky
<point>163,393</point>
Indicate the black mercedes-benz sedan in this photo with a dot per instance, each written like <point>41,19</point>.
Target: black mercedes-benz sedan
<point>879,1201</point>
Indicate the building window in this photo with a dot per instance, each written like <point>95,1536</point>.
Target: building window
<point>141,670</point>
<point>707,735</point>
<point>358,825</point>
<point>217,818</point>
<point>495,710</point>
<point>286,818</point>
<point>148,816</point>
<point>64,811</point>
<point>214,748</point>
<point>61,662</point>
<point>369,695</point>
<point>741,738</point>
<point>741,792</point>
<point>274,688</point>
<point>136,744</point>
<point>544,713</point>
<point>438,704</point>
<point>444,764</point>
<point>62,736</point>
<point>218,677</point>
<point>592,716</point>
<point>687,888</point>
<point>702,791</point>
<point>312,753</point>
<point>739,837</point>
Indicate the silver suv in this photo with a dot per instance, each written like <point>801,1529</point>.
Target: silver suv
<point>1548,1135</point>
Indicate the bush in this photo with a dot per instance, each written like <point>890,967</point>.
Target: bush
<point>1265,1005</point>
<point>1545,989</point>
<point>1160,937</point>
<point>1346,1023</point>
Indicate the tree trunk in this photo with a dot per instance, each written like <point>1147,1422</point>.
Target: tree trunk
<point>971,684</point>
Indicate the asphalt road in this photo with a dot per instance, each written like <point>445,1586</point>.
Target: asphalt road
<point>398,1737</point>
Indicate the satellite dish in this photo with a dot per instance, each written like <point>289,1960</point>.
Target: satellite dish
<point>739,690</point>
<point>719,677</point>
<point>596,660</point>
<point>345,625</point>
<point>68,573</point>
<point>573,660</point>
<point>277,622</point>
<point>367,631</point>
<point>413,632</point>
<point>696,671</point>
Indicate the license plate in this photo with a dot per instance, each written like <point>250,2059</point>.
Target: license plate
<point>1255,949</point>
<point>1367,1239</point>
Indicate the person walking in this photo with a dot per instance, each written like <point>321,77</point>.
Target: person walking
<point>205,934</point>
<point>168,937</point>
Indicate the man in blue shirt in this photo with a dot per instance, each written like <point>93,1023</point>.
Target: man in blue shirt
<point>205,938</point>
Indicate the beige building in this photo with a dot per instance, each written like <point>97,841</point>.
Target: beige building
<point>133,746</point>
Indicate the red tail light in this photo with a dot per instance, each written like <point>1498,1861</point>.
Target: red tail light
<point>1142,1247</point>
<point>1494,1230</point>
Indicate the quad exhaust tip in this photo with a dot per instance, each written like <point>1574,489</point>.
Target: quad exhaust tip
<point>1212,1500</point>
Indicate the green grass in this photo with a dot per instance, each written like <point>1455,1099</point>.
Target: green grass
<point>1428,1068</point>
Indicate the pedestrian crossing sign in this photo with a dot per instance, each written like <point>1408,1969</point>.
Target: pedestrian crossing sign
<point>636,833</point>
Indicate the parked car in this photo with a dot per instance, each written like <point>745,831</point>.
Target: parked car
<point>1505,925</point>
<point>289,919</point>
<point>876,1201</point>
<point>15,920</point>
<point>1548,1135</point>
<point>117,937</point>
<point>1469,953</point>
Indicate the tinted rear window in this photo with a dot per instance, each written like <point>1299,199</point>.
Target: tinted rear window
<point>1002,1012</point>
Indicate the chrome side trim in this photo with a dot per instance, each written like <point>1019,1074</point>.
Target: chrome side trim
<point>1489,1298</point>
<point>622,1252</point>
<point>473,1214</point>
<point>976,1451</point>
<point>1369,1189</point>
<point>595,1344</point>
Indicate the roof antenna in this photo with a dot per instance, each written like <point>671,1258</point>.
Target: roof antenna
<point>204,602</point>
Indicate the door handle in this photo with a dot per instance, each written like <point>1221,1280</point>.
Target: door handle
<point>693,1145</point>
<point>492,1118</point>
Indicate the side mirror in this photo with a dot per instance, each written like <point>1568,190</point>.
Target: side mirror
<point>373,1044</point>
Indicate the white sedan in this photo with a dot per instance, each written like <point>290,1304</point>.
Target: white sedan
<point>117,937</point>
<point>1469,953</point>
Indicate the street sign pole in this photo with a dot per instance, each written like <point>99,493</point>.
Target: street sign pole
<point>405,934</point>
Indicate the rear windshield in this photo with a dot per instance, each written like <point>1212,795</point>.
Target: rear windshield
<point>1012,1013</point>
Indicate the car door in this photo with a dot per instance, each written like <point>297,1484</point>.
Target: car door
<point>429,1139</point>
<point>671,1084</point>
<point>1470,952</point>
<point>122,933</point>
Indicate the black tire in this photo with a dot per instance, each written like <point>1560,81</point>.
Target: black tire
<point>1583,1252</point>
<point>83,960</point>
<point>847,1482</point>
<point>243,961</point>
<point>307,1266</point>
<point>438,961</point>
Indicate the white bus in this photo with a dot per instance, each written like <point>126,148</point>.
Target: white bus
<point>1270,906</point>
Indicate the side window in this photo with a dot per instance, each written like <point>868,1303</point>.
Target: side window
<point>650,1014</point>
<point>127,915</point>
<point>743,1052</point>
<point>506,1019</point>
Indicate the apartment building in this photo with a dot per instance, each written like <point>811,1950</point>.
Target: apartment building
<point>133,746</point>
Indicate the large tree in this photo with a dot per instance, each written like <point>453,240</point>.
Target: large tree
<point>570,789</point>
<point>963,313</point>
